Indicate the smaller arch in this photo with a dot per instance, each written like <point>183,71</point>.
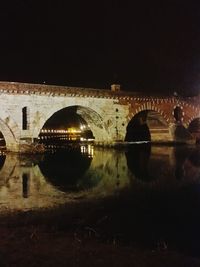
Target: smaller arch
<point>192,118</point>
<point>194,129</point>
<point>137,129</point>
<point>147,125</point>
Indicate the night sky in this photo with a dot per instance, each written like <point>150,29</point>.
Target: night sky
<point>147,46</point>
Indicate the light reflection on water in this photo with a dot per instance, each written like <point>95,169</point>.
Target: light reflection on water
<point>85,172</point>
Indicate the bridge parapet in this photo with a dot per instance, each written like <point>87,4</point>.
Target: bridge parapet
<point>55,90</point>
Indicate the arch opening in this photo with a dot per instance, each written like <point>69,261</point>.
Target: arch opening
<point>146,126</point>
<point>71,124</point>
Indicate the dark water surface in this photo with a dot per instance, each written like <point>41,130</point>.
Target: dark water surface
<point>150,194</point>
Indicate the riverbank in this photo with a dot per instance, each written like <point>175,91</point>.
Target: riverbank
<point>124,213</point>
<point>81,235</point>
<point>37,246</point>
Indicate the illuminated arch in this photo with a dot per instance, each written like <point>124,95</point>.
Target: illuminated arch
<point>89,115</point>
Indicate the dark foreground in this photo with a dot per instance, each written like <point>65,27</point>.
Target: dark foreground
<point>83,235</point>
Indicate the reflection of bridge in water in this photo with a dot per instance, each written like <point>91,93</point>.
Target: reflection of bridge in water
<point>27,183</point>
<point>23,185</point>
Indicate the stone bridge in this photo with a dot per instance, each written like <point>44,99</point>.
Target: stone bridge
<point>112,115</point>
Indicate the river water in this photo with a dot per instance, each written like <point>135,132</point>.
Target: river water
<point>154,190</point>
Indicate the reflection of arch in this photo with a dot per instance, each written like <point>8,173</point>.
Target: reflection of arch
<point>147,125</point>
<point>194,128</point>
<point>61,169</point>
<point>90,116</point>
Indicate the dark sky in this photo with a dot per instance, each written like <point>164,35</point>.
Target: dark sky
<point>143,45</point>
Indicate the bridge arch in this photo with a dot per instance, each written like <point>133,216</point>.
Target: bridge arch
<point>148,125</point>
<point>194,128</point>
<point>91,118</point>
<point>153,107</point>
